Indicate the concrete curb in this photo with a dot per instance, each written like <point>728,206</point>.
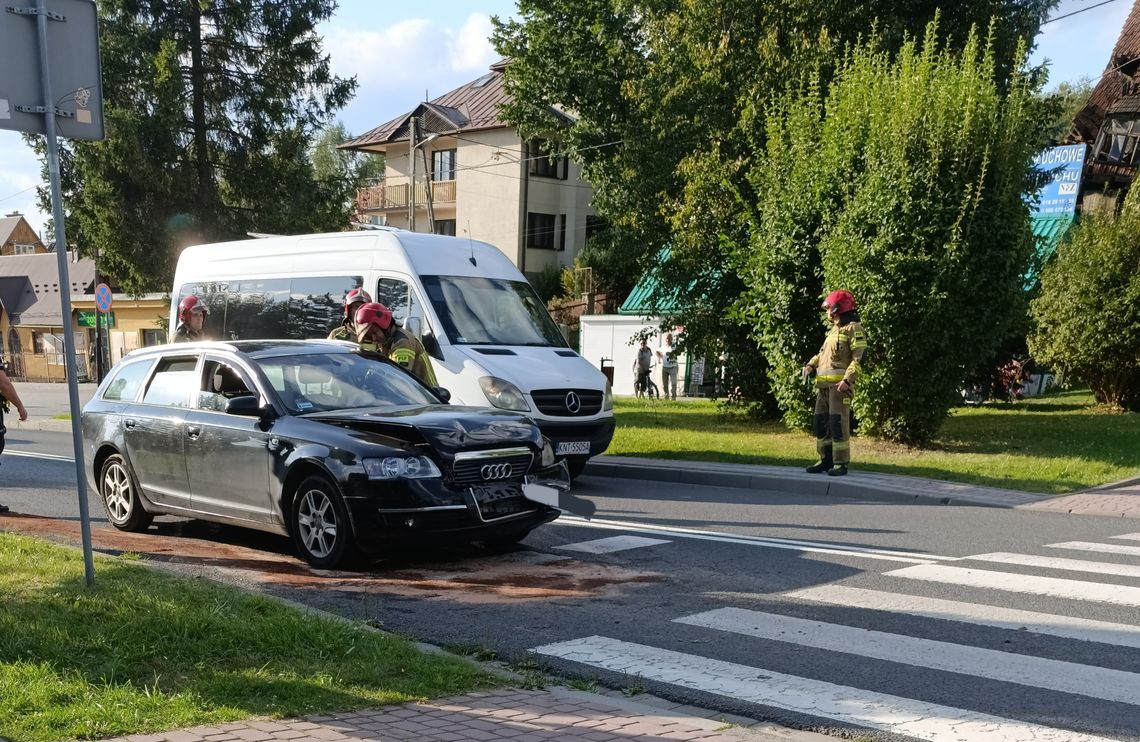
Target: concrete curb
<point>857,485</point>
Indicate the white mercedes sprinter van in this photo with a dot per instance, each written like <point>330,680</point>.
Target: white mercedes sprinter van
<point>491,340</point>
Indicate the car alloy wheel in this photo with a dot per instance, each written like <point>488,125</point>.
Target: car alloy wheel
<point>120,498</point>
<point>320,524</point>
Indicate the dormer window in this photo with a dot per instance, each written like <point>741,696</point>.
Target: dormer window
<point>1117,142</point>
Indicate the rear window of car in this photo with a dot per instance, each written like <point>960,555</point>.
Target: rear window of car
<point>173,383</point>
<point>126,380</point>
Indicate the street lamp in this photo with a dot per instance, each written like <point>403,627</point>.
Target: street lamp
<point>412,145</point>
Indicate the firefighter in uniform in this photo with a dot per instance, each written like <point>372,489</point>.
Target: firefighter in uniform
<point>836,368</point>
<point>377,332</point>
<point>346,330</point>
<point>192,313</point>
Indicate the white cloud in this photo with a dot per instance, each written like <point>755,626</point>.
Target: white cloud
<point>472,50</point>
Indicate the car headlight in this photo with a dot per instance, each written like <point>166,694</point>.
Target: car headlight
<point>401,467</point>
<point>503,394</point>
<point>547,454</point>
<point>608,400</point>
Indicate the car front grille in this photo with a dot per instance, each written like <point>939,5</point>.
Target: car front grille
<point>497,465</point>
<point>568,402</point>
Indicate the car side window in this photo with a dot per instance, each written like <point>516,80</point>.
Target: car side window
<point>126,381</point>
<point>173,383</point>
<point>220,383</point>
<point>395,294</point>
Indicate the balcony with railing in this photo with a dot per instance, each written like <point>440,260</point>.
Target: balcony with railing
<point>391,194</point>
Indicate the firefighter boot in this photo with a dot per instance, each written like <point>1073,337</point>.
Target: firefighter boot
<point>823,465</point>
<point>838,471</point>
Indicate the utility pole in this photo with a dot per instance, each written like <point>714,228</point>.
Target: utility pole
<point>412,173</point>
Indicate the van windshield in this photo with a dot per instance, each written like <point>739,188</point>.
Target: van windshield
<point>491,311</point>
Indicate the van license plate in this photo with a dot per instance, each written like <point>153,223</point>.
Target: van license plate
<point>572,448</point>
<point>495,492</point>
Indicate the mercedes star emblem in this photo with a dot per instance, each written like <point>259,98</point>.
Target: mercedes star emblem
<point>573,403</point>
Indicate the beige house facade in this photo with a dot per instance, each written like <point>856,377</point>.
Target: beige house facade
<point>452,166</point>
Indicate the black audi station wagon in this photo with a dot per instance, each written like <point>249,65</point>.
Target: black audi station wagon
<point>343,451</point>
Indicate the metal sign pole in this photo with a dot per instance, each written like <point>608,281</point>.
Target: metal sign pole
<point>61,254</point>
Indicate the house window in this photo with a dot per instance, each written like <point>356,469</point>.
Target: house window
<point>153,337</point>
<point>594,225</point>
<point>18,249</point>
<point>445,226</point>
<point>37,343</point>
<point>542,163</point>
<point>546,231</point>
<point>1118,140</point>
<point>443,165</point>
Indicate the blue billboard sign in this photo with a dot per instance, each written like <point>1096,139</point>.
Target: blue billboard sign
<point>1064,164</point>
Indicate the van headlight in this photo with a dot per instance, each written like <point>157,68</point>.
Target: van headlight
<point>503,394</point>
<point>608,399</point>
<point>547,453</point>
<point>401,467</point>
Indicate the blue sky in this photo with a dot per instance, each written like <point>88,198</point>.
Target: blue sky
<point>401,53</point>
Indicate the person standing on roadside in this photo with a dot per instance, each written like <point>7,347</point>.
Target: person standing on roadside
<point>346,330</point>
<point>8,396</point>
<point>641,367</point>
<point>192,313</point>
<point>667,354</point>
<point>836,367</point>
<point>377,332</point>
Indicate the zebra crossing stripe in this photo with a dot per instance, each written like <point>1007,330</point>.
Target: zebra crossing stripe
<point>1071,565</point>
<point>1067,627</point>
<point>838,703</point>
<point>1053,587</point>
<point>1129,536</point>
<point>1102,548</point>
<point>612,544</point>
<point>1007,667</point>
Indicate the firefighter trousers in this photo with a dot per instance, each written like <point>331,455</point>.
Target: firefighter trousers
<point>832,424</point>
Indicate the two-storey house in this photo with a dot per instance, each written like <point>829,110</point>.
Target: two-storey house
<point>453,166</point>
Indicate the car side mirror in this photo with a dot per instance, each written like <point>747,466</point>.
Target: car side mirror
<point>247,405</point>
<point>442,393</point>
<point>414,326</point>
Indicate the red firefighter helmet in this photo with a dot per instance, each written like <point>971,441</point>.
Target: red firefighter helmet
<point>373,313</point>
<point>353,297</point>
<point>842,301</point>
<point>191,304</point>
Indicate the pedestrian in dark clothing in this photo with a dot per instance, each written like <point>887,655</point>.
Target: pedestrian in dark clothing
<point>8,397</point>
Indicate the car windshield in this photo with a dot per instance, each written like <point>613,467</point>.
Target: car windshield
<point>491,311</point>
<point>320,382</point>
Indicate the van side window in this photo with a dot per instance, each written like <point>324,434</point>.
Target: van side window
<point>397,296</point>
<point>316,304</point>
<point>257,308</point>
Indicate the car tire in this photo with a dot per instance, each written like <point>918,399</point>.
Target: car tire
<point>575,465</point>
<point>120,496</point>
<point>320,525</point>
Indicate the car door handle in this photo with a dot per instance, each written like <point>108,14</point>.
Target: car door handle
<point>129,423</point>
<point>193,432</point>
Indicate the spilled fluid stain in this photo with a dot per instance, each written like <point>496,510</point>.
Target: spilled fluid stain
<point>463,575</point>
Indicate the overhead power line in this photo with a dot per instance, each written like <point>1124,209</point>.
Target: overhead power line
<point>1078,12</point>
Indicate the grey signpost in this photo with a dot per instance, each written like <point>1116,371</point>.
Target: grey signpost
<point>50,84</point>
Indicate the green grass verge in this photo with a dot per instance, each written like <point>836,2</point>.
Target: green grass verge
<point>1052,444</point>
<point>145,651</point>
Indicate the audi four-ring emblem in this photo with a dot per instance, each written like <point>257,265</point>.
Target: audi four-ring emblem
<point>573,403</point>
<point>496,471</point>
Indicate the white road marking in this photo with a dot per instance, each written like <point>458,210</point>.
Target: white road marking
<point>1102,548</point>
<point>34,455</point>
<point>1129,536</point>
<point>1020,669</point>
<point>816,547</point>
<point>1068,627</point>
<point>1072,565</point>
<point>816,698</point>
<point>1053,587</point>
<point>612,544</point>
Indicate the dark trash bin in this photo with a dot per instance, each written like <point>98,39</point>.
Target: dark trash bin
<point>607,366</point>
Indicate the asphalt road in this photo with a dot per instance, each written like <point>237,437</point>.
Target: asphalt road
<point>923,621</point>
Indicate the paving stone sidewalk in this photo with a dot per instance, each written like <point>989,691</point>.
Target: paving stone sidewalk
<point>511,714</point>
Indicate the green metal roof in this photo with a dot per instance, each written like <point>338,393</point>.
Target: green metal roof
<point>1048,231</point>
<point>643,300</point>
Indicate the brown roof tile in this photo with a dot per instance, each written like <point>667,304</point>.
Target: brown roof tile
<point>470,107</point>
<point>1116,82</point>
